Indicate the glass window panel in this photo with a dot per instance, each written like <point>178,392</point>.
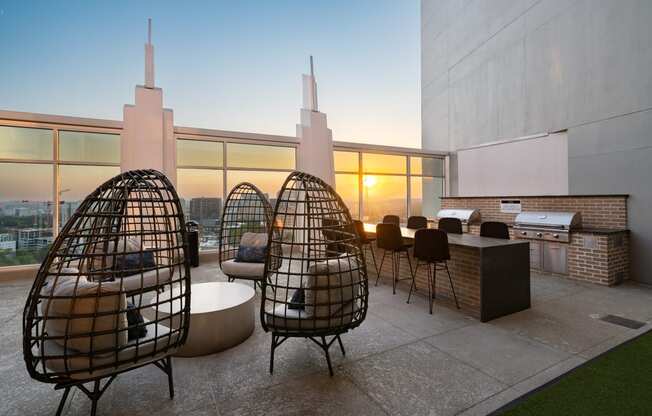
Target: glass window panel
<point>25,143</point>
<point>80,146</point>
<point>427,166</point>
<point>76,182</point>
<point>347,187</point>
<point>345,161</point>
<point>25,212</point>
<point>377,163</point>
<point>200,191</point>
<point>425,196</point>
<point>200,153</point>
<point>269,183</point>
<point>382,195</point>
<point>255,156</point>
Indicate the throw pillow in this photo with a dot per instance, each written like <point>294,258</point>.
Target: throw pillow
<point>253,248</point>
<point>298,300</point>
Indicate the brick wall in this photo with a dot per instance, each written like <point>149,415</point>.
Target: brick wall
<point>599,258</point>
<point>602,211</point>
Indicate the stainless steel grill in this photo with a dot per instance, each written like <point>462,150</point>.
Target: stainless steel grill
<point>549,226</point>
<point>467,216</point>
<point>549,233</point>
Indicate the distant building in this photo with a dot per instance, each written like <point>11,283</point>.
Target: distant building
<point>33,238</point>
<point>206,211</point>
<point>7,242</point>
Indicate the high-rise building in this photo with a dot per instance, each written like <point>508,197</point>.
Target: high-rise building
<point>206,211</point>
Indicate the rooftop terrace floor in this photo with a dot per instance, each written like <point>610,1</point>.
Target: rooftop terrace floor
<point>401,360</point>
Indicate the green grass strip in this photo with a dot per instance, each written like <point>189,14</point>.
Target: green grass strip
<point>616,383</point>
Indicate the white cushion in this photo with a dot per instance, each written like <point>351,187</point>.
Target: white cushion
<point>330,285</point>
<point>239,269</point>
<point>298,319</point>
<point>63,360</point>
<point>70,316</point>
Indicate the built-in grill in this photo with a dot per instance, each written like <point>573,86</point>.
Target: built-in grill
<point>467,216</point>
<point>549,233</point>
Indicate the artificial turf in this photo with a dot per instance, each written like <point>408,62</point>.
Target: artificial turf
<point>618,382</point>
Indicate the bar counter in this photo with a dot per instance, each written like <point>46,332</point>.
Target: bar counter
<point>491,276</point>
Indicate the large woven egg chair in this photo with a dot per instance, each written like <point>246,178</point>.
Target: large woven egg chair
<point>321,291</point>
<point>123,252</point>
<point>246,223</point>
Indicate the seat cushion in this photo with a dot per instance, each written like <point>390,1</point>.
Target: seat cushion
<point>234,268</point>
<point>77,364</point>
<point>297,320</point>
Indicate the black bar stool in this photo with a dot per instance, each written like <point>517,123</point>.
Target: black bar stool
<point>431,247</point>
<point>366,242</point>
<point>450,225</point>
<point>392,219</point>
<point>417,222</point>
<point>494,229</point>
<point>389,238</point>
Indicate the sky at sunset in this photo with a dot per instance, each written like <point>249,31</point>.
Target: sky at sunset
<point>231,65</point>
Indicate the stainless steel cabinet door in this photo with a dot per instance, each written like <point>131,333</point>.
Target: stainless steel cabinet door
<point>555,258</point>
<point>535,255</point>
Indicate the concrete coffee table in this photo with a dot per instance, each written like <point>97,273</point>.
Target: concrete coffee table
<point>221,316</point>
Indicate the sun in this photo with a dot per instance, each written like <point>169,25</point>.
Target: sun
<point>369,181</point>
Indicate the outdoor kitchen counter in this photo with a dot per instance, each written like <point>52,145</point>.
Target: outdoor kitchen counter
<point>491,276</point>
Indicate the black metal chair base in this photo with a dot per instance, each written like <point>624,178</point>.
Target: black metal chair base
<point>258,283</point>
<point>396,268</point>
<point>321,341</point>
<point>432,281</point>
<point>98,389</point>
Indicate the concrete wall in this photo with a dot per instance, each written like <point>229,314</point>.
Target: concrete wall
<point>493,70</point>
<point>535,166</point>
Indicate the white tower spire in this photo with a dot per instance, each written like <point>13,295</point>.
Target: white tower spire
<point>315,152</point>
<point>149,57</point>
<point>310,89</point>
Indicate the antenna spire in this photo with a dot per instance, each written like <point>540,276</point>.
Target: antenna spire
<point>149,57</point>
<point>312,68</point>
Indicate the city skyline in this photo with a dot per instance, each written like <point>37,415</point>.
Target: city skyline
<point>231,66</point>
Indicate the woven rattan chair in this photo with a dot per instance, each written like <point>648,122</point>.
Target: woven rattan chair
<point>247,213</point>
<point>123,252</point>
<point>321,291</point>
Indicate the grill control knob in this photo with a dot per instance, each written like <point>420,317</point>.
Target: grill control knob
<point>539,235</point>
<point>555,235</point>
<point>523,232</point>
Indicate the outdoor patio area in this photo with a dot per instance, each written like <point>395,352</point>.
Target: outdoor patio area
<point>401,360</point>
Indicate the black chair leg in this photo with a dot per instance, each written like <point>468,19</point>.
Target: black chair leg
<point>62,403</point>
<point>339,340</point>
<point>170,378</point>
<point>407,254</point>
<point>430,284</point>
<point>328,356</point>
<point>271,356</point>
<point>413,284</point>
<point>397,267</point>
<point>452,287</point>
<point>381,267</point>
<point>373,257</point>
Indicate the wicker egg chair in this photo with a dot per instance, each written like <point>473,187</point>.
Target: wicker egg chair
<point>247,217</point>
<point>123,252</point>
<point>321,291</point>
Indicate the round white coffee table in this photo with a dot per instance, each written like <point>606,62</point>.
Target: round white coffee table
<point>221,316</point>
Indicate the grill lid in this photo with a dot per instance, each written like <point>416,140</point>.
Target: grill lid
<point>465,215</point>
<point>559,220</point>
